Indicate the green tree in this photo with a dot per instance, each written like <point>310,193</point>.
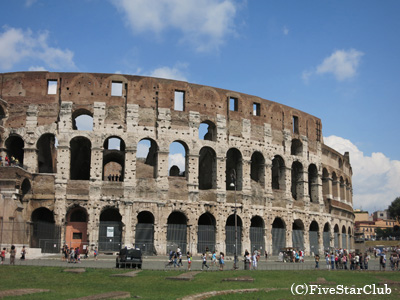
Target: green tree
<point>394,209</point>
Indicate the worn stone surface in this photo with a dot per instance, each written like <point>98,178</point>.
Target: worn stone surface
<point>109,295</point>
<point>21,292</point>
<point>187,276</point>
<point>284,170</point>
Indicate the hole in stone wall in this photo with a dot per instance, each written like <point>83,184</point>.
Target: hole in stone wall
<point>116,88</point>
<point>47,153</point>
<point>207,131</point>
<point>146,159</point>
<point>51,87</point>
<point>179,101</point>
<point>80,158</point>
<point>177,159</point>
<point>207,169</point>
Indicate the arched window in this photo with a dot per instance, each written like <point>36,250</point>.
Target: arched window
<point>327,237</point>
<point>233,170</point>
<point>47,153</point>
<point>325,182</point>
<point>313,183</point>
<point>230,238</point>
<point>297,180</point>
<point>314,237</point>
<point>15,149</point>
<point>114,159</point>
<point>146,159</point>
<point>335,184</point>
<point>176,232</point>
<point>144,233</point>
<point>81,149</point>
<point>298,234</point>
<point>177,159</point>
<point>296,147</point>
<point>82,119</point>
<point>257,168</point>
<point>278,173</point>
<point>207,169</point>
<point>110,230</point>
<point>206,233</point>
<point>257,241</point>
<point>278,235</point>
<point>207,131</point>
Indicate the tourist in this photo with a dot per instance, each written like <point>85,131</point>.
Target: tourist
<point>13,252</point>
<point>255,254</point>
<point>204,264</point>
<point>316,257</point>
<point>189,260</point>
<point>221,261</point>
<point>327,259</point>
<point>214,259</point>
<point>23,253</point>
<point>95,253</point>
<point>3,255</point>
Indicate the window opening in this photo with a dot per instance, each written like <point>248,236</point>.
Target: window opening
<point>207,131</point>
<point>83,122</point>
<point>116,88</point>
<point>177,159</point>
<point>256,109</point>
<point>51,87</point>
<point>146,159</point>
<point>233,104</point>
<point>179,101</point>
<point>295,122</point>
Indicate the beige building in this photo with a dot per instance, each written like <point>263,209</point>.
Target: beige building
<point>239,153</point>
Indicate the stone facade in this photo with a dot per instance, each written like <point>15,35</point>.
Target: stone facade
<point>263,158</point>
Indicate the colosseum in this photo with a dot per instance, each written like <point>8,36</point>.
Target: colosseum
<point>88,161</point>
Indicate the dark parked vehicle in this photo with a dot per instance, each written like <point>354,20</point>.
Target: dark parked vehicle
<point>129,258</point>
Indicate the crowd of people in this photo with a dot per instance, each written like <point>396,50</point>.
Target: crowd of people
<point>9,161</point>
<point>13,253</point>
<point>73,255</point>
<point>175,259</point>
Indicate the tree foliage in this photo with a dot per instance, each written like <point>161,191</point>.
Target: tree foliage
<point>394,209</point>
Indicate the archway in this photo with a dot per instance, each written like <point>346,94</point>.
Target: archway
<point>146,159</point>
<point>206,233</point>
<point>47,153</point>
<point>257,241</point>
<point>344,238</point>
<point>257,169</point>
<point>15,148</point>
<point>114,159</point>
<point>327,237</point>
<point>110,230</point>
<point>233,169</point>
<point>81,151</point>
<point>76,228</point>
<point>45,233</point>
<point>313,235</point>
<point>278,173</point>
<point>313,183</point>
<point>144,234</point>
<point>207,131</point>
<point>177,232</point>
<point>230,235</point>
<point>278,235</point>
<point>336,236</point>
<point>297,180</point>
<point>207,169</point>
<point>298,234</point>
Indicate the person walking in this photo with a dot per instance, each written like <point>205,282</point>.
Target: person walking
<point>3,255</point>
<point>13,252</point>
<point>23,253</point>
<point>189,260</point>
<point>316,257</point>
<point>221,261</point>
<point>204,264</point>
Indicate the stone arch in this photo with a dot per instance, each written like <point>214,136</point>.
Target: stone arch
<point>26,187</point>
<point>2,114</point>
<point>257,233</point>
<point>349,237</point>
<point>76,227</point>
<point>257,170</point>
<point>336,236</point>
<point>144,234</point>
<point>15,148</point>
<point>206,233</point>
<point>230,232</point>
<point>178,159</point>
<point>327,236</point>
<point>114,159</point>
<point>334,186</point>
<point>298,234</point>
<point>296,148</point>
<point>207,131</point>
<point>81,151</point>
<point>234,169</point>
<point>146,158</point>
<point>110,229</point>
<point>297,180</point>
<point>177,231</point>
<point>313,185</point>
<point>342,189</point>
<point>278,173</point>
<point>278,235</point>
<point>45,233</point>
<point>47,153</point>
<point>344,237</point>
<point>207,169</point>
<point>314,237</point>
<point>82,119</point>
<point>325,182</point>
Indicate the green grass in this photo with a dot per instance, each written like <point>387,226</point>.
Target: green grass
<point>153,285</point>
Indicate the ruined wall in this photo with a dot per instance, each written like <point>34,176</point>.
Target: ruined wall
<point>144,109</point>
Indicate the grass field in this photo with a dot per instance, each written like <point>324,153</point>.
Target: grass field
<point>154,285</point>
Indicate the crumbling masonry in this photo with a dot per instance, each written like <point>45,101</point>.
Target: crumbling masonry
<point>94,187</point>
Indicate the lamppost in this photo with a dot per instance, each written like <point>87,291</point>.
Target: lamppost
<point>233,184</point>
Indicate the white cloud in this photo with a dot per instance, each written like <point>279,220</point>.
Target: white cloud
<point>168,73</point>
<point>203,23</point>
<point>17,45</point>
<point>285,30</point>
<point>37,68</point>
<point>177,159</point>
<point>375,177</point>
<point>342,64</point>
<point>29,3</point>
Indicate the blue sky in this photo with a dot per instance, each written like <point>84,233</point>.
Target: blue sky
<point>338,60</point>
